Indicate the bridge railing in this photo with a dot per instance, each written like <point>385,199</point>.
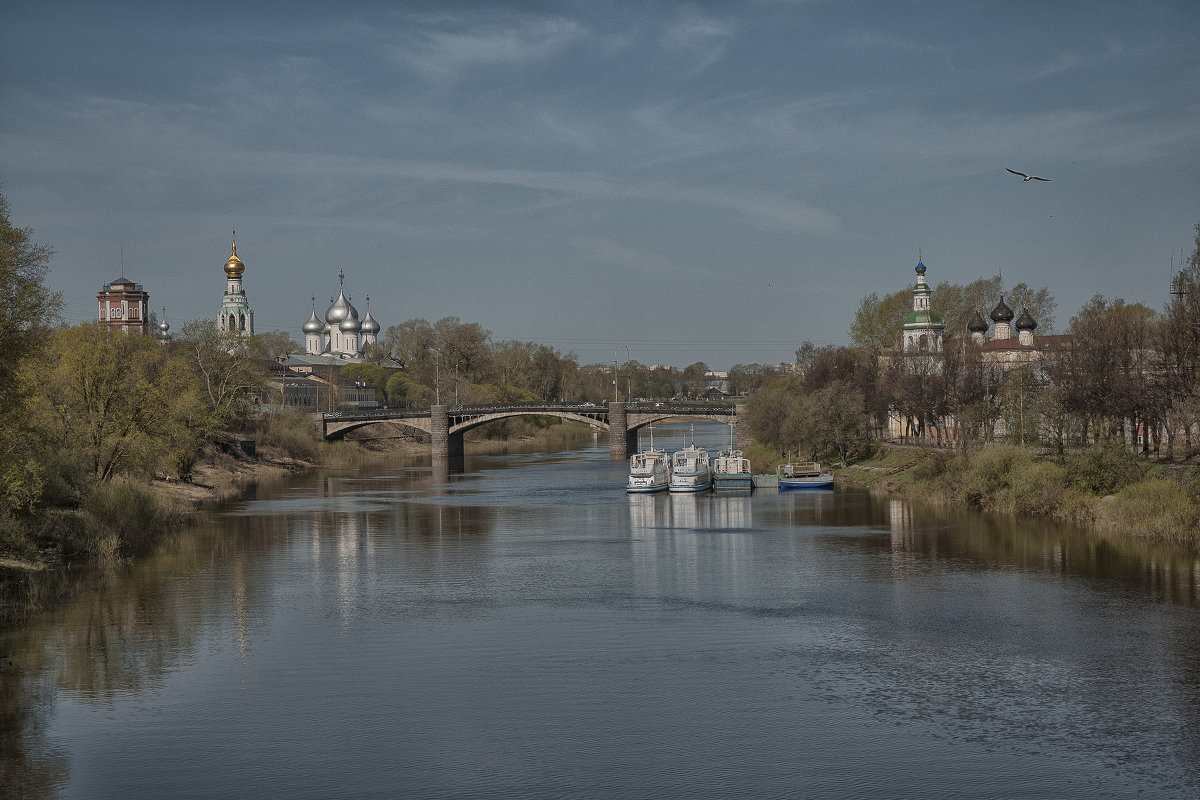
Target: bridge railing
<point>579,408</point>
<point>486,408</point>
<point>715,407</point>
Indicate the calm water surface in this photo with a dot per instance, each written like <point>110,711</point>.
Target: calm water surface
<point>526,629</point>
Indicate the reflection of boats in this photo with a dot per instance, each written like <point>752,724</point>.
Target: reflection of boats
<point>731,470</point>
<point>803,475</point>
<point>649,470</point>
<point>690,470</point>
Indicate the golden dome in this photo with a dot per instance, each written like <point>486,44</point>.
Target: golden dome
<point>234,266</point>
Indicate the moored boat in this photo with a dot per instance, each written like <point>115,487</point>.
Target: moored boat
<point>731,470</point>
<point>803,475</point>
<point>649,470</point>
<point>691,469</point>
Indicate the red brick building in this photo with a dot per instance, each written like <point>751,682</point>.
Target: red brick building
<point>124,305</point>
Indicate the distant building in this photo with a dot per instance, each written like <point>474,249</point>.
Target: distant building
<point>235,313</point>
<point>341,334</point>
<point>922,347</point>
<point>315,383</point>
<point>923,329</point>
<point>123,306</point>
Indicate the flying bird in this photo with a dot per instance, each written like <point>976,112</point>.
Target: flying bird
<point>1026,177</point>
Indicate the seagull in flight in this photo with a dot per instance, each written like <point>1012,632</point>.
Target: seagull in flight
<point>1026,177</point>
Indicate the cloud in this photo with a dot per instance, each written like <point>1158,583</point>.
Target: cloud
<point>702,38</point>
<point>445,47</point>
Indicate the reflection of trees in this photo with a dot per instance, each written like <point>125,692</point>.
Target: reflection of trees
<point>997,543</point>
<point>29,768</point>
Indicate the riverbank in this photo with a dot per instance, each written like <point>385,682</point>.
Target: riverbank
<point>123,518</point>
<point>1105,487</point>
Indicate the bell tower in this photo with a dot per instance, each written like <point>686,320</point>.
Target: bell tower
<point>235,314</point>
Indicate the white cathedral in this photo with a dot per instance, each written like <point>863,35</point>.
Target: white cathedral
<point>341,333</point>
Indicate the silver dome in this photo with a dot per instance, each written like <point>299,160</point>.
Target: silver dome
<point>338,311</point>
<point>314,325</point>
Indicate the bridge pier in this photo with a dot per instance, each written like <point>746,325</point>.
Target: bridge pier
<point>622,442</point>
<point>447,447</point>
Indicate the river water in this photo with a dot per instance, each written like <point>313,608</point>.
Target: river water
<point>528,630</point>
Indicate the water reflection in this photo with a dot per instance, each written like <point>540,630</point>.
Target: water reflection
<point>983,628</point>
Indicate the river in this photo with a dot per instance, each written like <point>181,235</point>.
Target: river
<point>527,630</point>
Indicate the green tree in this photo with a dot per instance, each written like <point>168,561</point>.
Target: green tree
<point>230,370</point>
<point>117,400</point>
<point>745,378</point>
<point>275,344</point>
<point>28,308</point>
<point>841,421</point>
<point>955,302</point>
<point>878,322</point>
<point>774,413</point>
<point>464,346</point>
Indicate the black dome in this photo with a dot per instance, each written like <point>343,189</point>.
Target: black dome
<point>1002,313</point>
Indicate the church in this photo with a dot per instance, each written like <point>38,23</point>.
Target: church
<point>235,314</point>
<point>341,333</point>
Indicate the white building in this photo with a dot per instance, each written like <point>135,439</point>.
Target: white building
<point>341,334</point>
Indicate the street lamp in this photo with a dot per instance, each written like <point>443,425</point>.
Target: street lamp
<point>456,383</point>
<point>614,374</point>
<point>437,380</point>
<point>627,376</point>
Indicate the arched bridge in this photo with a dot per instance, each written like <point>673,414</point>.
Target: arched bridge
<point>445,425</point>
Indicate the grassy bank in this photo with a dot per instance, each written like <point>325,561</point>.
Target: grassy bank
<point>1105,486</point>
<point>77,518</point>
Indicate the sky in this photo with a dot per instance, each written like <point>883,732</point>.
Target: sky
<point>659,181</point>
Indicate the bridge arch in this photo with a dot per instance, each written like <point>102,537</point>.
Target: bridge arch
<point>338,430</point>
<point>476,421</point>
<point>637,421</point>
<point>445,425</point>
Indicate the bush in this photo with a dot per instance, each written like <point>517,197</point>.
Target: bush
<point>1035,487</point>
<point>291,431</point>
<point>1158,509</point>
<point>934,466</point>
<point>988,472</point>
<point>123,517</point>
<point>15,539</point>
<point>1104,467</point>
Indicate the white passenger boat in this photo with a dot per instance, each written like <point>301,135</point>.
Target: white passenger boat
<point>731,470</point>
<point>690,469</point>
<point>649,470</point>
<point>803,475</point>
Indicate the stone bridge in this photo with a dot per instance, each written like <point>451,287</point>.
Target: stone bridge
<point>445,425</point>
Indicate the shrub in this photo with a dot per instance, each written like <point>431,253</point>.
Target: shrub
<point>988,472</point>
<point>1035,487</point>
<point>1158,509</point>
<point>1077,506</point>
<point>124,517</point>
<point>1104,467</point>
<point>933,466</point>
<point>291,431</point>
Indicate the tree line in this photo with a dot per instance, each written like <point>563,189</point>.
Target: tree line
<point>1124,371</point>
